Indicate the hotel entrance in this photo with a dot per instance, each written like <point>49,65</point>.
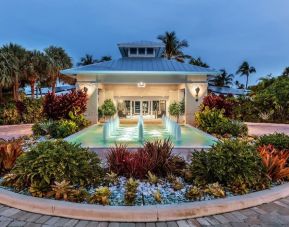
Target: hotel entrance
<point>147,108</point>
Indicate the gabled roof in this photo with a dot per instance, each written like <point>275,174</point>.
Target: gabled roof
<point>141,66</point>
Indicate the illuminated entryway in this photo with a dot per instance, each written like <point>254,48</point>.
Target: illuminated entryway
<point>148,107</point>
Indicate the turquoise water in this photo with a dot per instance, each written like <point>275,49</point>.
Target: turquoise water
<point>128,134</point>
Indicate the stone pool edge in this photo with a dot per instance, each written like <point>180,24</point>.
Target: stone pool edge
<point>150,213</point>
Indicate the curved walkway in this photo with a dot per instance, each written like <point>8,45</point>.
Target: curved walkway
<point>271,214</point>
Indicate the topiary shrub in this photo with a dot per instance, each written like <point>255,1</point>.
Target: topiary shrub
<point>227,162</point>
<point>108,108</point>
<point>278,140</point>
<point>55,161</point>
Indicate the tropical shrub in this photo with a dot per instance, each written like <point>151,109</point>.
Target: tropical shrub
<point>108,108</point>
<point>26,110</point>
<point>278,140</point>
<point>215,190</point>
<point>214,121</point>
<point>41,128</point>
<point>10,150</point>
<point>57,107</point>
<point>219,102</point>
<point>9,114</point>
<point>275,162</point>
<point>101,196</point>
<point>164,162</point>
<point>155,157</point>
<point>30,110</point>
<point>227,161</point>
<point>62,128</point>
<point>275,97</point>
<point>52,161</point>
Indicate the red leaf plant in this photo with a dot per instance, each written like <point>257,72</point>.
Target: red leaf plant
<point>275,162</point>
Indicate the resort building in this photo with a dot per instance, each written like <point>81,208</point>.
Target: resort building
<point>142,82</point>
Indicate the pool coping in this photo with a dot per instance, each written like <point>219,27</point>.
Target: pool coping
<point>135,147</point>
<point>150,213</point>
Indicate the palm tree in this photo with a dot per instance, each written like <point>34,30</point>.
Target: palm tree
<point>58,60</point>
<point>239,85</point>
<point>16,55</point>
<point>105,58</point>
<point>286,72</point>
<point>245,70</point>
<point>87,60</point>
<point>6,79</point>
<point>224,79</point>
<point>37,69</point>
<point>198,62</point>
<point>173,46</point>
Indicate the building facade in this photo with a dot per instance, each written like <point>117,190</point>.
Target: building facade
<point>141,82</point>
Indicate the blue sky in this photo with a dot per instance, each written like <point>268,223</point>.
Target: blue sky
<point>222,32</point>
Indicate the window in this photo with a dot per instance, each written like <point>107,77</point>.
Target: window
<point>150,51</point>
<point>133,51</point>
<point>141,51</point>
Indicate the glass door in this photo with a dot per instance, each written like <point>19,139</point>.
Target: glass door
<point>145,107</point>
<point>137,107</point>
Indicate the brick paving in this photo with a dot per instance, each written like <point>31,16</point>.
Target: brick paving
<point>270,214</point>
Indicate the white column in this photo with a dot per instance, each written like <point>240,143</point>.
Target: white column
<point>141,113</point>
<point>130,108</point>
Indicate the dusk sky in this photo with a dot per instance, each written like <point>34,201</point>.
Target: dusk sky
<point>222,32</point>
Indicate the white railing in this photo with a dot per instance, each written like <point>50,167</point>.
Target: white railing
<point>109,127</point>
<point>173,127</point>
<point>140,126</point>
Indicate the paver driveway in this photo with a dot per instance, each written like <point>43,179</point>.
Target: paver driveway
<point>271,214</point>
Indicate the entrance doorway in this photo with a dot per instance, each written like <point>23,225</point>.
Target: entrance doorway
<point>148,108</point>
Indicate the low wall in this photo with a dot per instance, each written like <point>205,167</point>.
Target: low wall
<point>150,213</point>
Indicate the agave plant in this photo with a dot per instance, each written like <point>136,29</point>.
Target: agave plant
<point>215,190</point>
<point>112,178</point>
<point>101,196</point>
<point>153,179</point>
<point>62,189</point>
<point>177,184</point>
<point>275,162</point>
<point>78,195</point>
<point>158,196</point>
<point>130,191</point>
<point>38,189</point>
<point>194,193</point>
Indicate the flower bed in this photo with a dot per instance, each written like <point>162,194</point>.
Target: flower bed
<point>152,175</point>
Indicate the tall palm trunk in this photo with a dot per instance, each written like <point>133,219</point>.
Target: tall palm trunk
<point>54,84</point>
<point>1,94</point>
<point>247,79</point>
<point>16,88</point>
<point>32,85</point>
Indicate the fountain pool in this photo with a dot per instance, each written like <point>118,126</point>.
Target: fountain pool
<point>128,134</point>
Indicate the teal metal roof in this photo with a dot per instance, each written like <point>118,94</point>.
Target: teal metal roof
<point>141,66</point>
